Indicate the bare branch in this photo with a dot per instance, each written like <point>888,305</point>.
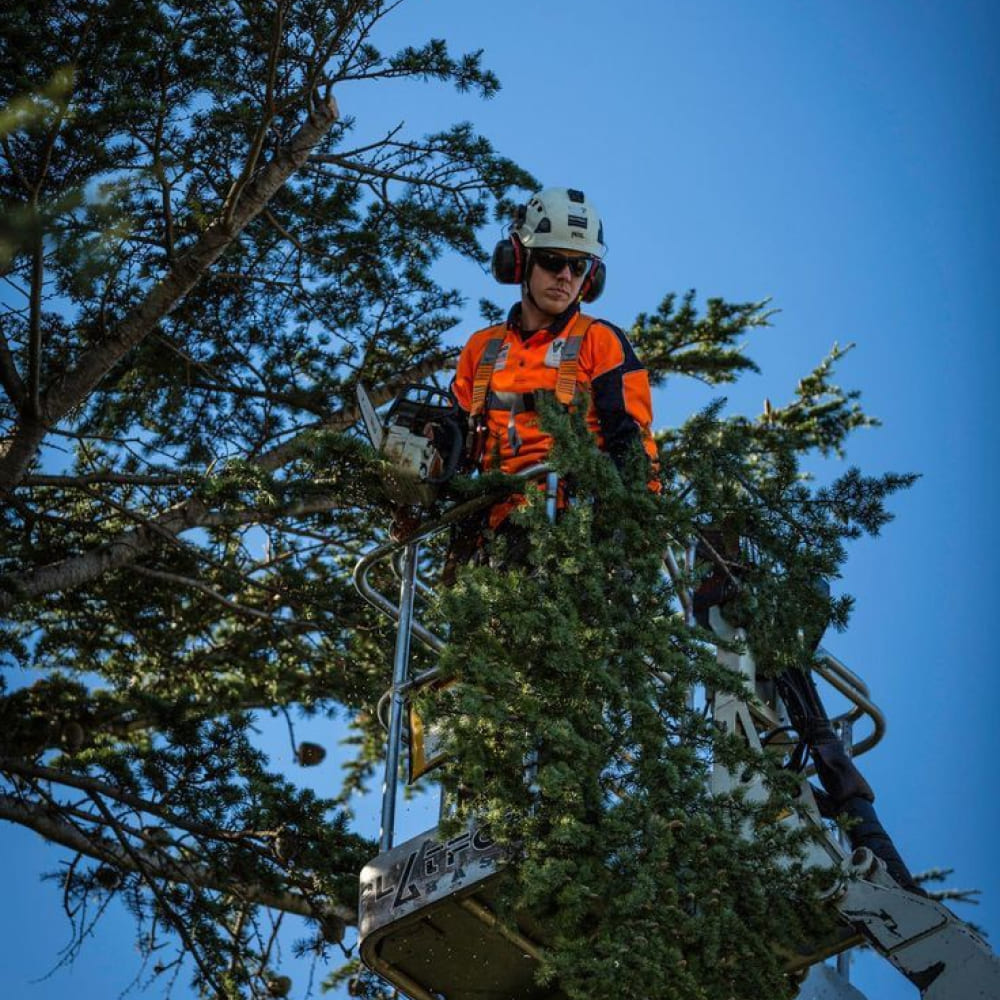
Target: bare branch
<point>418,180</point>
<point>232,203</point>
<point>203,588</point>
<point>179,925</point>
<point>282,231</point>
<point>107,478</point>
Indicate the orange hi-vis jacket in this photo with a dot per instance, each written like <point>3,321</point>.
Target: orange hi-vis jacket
<point>620,412</point>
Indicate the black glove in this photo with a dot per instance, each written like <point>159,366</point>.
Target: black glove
<point>448,436</point>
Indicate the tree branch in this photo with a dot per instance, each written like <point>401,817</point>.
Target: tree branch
<point>153,865</point>
<point>9,378</point>
<point>98,791</point>
<point>203,588</point>
<point>232,204</point>
<point>356,167</point>
<point>133,855</point>
<point>35,330</point>
<point>126,548</point>
<point>107,478</point>
<point>70,389</point>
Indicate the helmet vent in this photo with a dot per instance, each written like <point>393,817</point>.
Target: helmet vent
<point>575,195</point>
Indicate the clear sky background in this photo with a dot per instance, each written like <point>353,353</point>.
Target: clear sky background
<point>840,158</point>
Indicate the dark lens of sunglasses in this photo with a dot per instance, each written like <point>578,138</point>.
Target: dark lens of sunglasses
<point>555,262</point>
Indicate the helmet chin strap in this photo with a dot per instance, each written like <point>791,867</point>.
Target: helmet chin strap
<point>529,266</point>
<point>526,285</point>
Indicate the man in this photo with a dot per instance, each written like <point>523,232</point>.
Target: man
<point>554,251</point>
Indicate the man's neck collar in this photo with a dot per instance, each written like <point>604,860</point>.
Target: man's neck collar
<point>555,327</point>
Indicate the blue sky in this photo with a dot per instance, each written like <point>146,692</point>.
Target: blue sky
<point>838,158</point>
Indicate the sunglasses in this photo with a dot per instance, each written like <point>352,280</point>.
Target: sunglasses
<point>555,262</point>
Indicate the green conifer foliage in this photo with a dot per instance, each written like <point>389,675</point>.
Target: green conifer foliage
<point>574,740</point>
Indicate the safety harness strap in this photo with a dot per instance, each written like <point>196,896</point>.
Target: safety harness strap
<point>569,362</point>
<point>484,373</point>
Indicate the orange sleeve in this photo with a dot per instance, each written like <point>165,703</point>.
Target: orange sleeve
<point>619,385</point>
<point>465,371</point>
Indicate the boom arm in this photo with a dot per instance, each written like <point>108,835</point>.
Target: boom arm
<point>940,954</point>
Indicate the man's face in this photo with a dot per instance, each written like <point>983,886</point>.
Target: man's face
<point>556,278</point>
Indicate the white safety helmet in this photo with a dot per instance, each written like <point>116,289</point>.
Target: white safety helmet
<point>560,219</point>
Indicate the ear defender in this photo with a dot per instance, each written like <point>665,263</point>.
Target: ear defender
<point>507,264</point>
<point>594,283</point>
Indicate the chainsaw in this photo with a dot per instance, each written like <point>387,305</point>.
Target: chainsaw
<point>420,441</point>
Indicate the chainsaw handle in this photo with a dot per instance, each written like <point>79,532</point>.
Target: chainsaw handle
<point>450,462</point>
